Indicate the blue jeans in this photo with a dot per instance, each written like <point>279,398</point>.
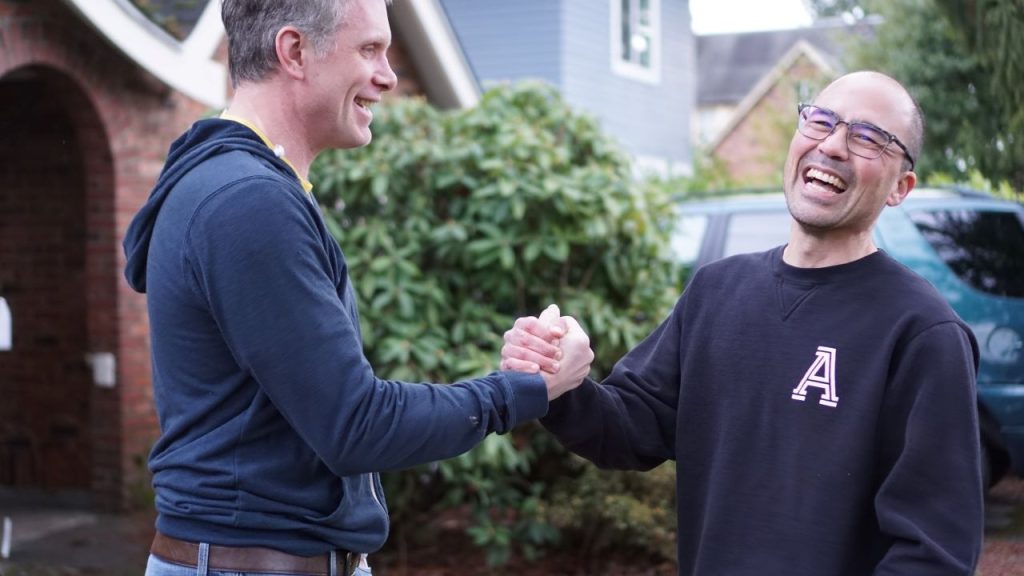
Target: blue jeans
<point>157,567</point>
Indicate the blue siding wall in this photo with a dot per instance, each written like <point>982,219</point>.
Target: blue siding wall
<point>508,39</point>
<point>568,43</point>
<point>650,120</point>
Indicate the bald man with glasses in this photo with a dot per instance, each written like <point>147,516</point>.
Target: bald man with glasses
<point>818,398</point>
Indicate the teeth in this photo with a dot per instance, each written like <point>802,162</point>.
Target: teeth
<point>362,103</point>
<point>826,178</point>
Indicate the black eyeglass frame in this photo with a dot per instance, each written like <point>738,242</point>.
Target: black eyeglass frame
<point>891,137</point>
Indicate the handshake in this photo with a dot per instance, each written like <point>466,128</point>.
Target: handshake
<point>551,344</point>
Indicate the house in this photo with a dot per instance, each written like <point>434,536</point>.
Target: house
<point>629,63</point>
<point>749,85</point>
<point>92,92</point>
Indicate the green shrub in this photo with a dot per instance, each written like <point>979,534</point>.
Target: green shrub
<point>977,181</point>
<point>616,511</point>
<point>454,224</point>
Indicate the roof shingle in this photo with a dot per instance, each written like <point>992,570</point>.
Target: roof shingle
<point>729,65</point>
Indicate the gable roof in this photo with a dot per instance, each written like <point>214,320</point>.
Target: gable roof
<point>802,49</point>
<point>147,31</point>
<point>433,47</point>
<point>729,66</point>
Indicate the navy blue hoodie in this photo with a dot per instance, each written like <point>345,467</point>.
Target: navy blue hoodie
<point>273,423</point>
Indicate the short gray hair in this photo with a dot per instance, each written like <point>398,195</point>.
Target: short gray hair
<point>252,27</point>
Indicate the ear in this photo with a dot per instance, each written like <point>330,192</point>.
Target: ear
<point>290,45</point>
<point>903,187</point>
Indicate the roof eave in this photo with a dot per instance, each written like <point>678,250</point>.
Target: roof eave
<point>186,66</point>
<point>765,84</point>
<point>444,70</point>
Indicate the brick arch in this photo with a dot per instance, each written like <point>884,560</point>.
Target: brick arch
<point>122,120</point>
<point>56,176</point>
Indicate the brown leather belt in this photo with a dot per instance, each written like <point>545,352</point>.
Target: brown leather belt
<point>251,559</point>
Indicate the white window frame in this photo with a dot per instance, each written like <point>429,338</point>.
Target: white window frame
<point>627,68</point>
<point>189,66</point>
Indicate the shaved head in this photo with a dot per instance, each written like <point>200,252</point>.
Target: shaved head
<point>913,136</point>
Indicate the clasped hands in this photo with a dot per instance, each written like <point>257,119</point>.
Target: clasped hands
<point>554,345</point>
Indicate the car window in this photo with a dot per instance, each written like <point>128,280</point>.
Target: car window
<point>756,231</point>
<point>984,248</point>
<point>689,234</point>
<point>687,241</point>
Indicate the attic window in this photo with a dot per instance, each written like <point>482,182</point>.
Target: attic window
<point>636,39</point>
<point>175,17</point>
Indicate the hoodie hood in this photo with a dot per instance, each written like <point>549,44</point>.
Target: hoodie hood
<point>204,140</point>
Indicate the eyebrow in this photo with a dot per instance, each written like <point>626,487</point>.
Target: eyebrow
<point>852,120</point>
<point>382,38</point>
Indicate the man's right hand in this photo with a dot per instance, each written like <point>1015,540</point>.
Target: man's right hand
<point>555,346</point>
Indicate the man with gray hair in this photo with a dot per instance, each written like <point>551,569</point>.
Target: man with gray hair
<point>274,426</point>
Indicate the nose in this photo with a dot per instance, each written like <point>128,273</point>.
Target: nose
<point>834,145</point>
<point>385,78</point>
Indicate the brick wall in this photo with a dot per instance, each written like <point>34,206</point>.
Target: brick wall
<point>408,79</point>
<point>94,129</point>
<point>754,151</point>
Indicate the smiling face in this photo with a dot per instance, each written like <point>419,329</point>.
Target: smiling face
<point>350,77</point>
<point>832,193</point>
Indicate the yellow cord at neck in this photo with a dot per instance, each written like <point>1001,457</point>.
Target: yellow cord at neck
<point>278,150</point>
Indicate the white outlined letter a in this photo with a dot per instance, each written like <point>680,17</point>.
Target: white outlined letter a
<point>821,374</point>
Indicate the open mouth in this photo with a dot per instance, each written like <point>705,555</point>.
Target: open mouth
<point>364,103</point>
<point>825,180</point>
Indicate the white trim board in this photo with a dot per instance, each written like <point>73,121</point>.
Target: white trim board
<point>186,66</point>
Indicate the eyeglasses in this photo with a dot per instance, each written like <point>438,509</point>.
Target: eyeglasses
<point>863,139</point>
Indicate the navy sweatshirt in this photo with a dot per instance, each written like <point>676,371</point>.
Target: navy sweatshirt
<point>273,423</point>
<point>823,421</point>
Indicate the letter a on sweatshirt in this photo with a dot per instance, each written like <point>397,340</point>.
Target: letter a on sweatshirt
<point>821,374</point>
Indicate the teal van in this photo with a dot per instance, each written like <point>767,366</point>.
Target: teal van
<point>969,245</point>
